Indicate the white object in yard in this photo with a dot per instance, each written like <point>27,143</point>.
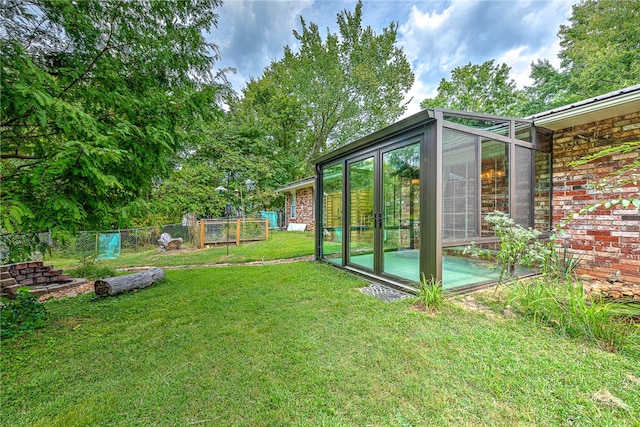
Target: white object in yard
<point>296,227</point>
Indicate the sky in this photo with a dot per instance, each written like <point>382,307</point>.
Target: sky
<point>436,36</point>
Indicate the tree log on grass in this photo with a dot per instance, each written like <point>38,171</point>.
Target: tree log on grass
<point>119,284</point>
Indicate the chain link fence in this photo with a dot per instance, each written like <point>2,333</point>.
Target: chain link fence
<point>111,243</point>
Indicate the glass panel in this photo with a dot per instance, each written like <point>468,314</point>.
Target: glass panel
<point>523,131</point>
<point>332,214</point>
<point>459,186</point>
<point>494,179</point>
<point>523,214</point>
<point>460,269</point>
<point>401,204</point>
<point>544,140</point>
<point>499,127</point>
<point>361,213</point>
<point>542,192</point>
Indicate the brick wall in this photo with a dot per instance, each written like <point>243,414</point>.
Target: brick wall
<point>607,240</point>
<point>304,208</point>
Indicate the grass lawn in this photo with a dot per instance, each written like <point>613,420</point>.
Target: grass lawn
<point>298,345</point>
<point>280,245</point>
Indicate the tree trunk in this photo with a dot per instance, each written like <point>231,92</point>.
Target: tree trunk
<point>119,284</point>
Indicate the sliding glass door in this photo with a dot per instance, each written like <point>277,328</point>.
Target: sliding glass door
<point>383,205</point>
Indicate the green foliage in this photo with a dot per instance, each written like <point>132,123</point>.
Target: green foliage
<point>627,173</point>
<point>519,247</point>
<point>484,88</point>
<point>23,314</point>
<point>599,46</point>
<point>97,97</point>
<point>430,293</point>
<point>564,266</point>
<point>599,53</point>
<point>335,90</point>
<point>563,305</point>
<point>21,247</point>
<point>91,268</point>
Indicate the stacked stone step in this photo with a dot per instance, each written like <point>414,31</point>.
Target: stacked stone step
<point>40,279</point>
<point>8,284</point>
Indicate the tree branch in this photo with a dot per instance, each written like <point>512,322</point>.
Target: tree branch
<point>90,66</point>
<point>18,156</point>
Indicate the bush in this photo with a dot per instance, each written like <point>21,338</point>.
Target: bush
<point>91,269</point>
<point>24,313</point>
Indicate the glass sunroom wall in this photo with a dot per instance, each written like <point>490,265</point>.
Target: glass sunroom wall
<point>332,214</point>
<point>474,184</point>
<point>460,205</point>
<point>494,179</point>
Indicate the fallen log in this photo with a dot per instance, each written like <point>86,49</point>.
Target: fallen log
<point>119,284</point>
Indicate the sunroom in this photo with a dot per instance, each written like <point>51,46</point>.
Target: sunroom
<point>407,200</point>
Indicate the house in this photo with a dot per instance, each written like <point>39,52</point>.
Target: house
<point>607,241</point>
<point>407,200</point>
<point>299,204</point>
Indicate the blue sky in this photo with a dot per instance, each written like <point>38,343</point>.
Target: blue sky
<point>436,36</point>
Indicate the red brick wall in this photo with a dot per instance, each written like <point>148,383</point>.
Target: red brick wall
<point>607,240</point>
<point>304,208</point>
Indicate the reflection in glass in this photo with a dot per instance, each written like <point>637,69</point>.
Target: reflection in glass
<point>459,186</point>
<point>494,180</point>
<point>462,269</point>
<point>360,202</point>
<point>542,192</point>
<point>523,193</point>
<point>497,126</point>
<point>401,204</point>
<point>332,214</point>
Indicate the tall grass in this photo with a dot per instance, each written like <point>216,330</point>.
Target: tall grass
<point>563,305</point>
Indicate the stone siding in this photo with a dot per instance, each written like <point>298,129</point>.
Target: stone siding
<point>607,240</point>
<point>304,208</point>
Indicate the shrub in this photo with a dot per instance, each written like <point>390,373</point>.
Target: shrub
<point>430,293</point>
<point>91,269</point>
<point>24,313</point>
<point>519,246</point>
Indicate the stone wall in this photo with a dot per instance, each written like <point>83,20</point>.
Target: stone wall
<point>607,240</point>
<point>40,279</point>
<point>304,208</point>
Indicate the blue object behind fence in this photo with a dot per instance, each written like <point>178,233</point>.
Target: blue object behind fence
<point>109,246</point>
<point>272,217</point>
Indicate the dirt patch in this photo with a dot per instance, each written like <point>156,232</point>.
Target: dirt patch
<point>82,288</point>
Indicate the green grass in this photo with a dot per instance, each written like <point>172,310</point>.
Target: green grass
<point>299,345</point>
<point>280,245</point>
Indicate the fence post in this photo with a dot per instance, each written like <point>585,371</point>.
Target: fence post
<point>237,232</point>
<point>202,233</point>
<point>266,227</point>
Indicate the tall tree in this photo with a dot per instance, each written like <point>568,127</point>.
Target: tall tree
<point>600,53</point>
<point>484,88</point>
<point>97,95</point>
<point>600,48</point>
<point>347,85</point>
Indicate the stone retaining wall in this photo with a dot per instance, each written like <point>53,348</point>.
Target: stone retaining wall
<point>40,278</point>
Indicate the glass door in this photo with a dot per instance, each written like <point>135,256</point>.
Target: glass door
<point>384,212</point>
<point>401,212</point>
<point>361,213</point>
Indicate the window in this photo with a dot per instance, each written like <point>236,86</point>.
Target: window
<point>293,204</point>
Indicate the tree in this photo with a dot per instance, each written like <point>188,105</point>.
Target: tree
<point>599,53</point>
<point>97,96</point>
<point>549,89</point>
<point>600,48</point>
<point>345,86</point>
<point>484,88</point>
